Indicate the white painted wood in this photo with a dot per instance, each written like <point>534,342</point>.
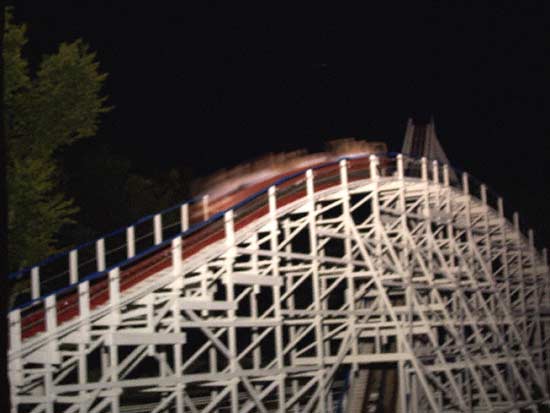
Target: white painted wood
<point>416,272</point>
<point>184,217</point>
<point>73,266</point>
<point>157,228</point>
<point>35,283</point>
<point>130,242</point>
<point>100,254</point>
<point>132,339</point>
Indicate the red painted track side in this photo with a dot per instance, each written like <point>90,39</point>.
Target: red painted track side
<point>289,191</point>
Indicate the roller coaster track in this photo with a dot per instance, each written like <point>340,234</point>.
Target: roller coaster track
<point>271,299</point>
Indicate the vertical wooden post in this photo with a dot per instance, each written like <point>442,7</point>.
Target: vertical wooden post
<point>51,326</point>
<point>435,172</point>
<point>176,256</point>
<point>84,310</point>
<point>73,266</point>
<point>318,319</point>
<point>157,228</point>
<point>445,175</point>
<point>35,283</point>
<point>483,190</point>
<point>230,294</point>
<point>400,169</point>
<point>15,369</point>
<point>465,184</point>
<point>184,217</point>
<point>424,169</point>
<point>114,293</point>
<point>373,165</point>
<point>130,242</point>
<point>279,345</point>
<point>100,254</point>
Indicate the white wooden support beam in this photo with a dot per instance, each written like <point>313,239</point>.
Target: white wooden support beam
<point>51,314</point>
<point>207,305</point>
<point>113,367</point>
<point>14,317</point>
<point>114,294</point>
<point>260,280</point>
<point>15,369</point>
<point>213,365</point>
<point>435,172</point>
<point>484,194</point>
<point>373,165</point>
<point>515,219</point>
<point>176,255</point>
<point>520,285</point>
<point>178,356</point>
<point>309,184</point>
<point>256,353</point>
<point>537,292</point>
<point>486,230</point>
<point>35,282</point>
<point>184,217</point>
<point>500,207</point>
<point>290,303</point>
<point>52,354</point>
<point>122,338</point>
<point>279,345</point>
<point>350,290</point>
<point>546,280</point>
<point>84,300</point>
<point>229,228</point>
<point>130,242</point>
<point>446,175</point>
<point>403,391</point>
<point>149,309</point>
<point>344,174</point>
<point>229,232</point>
<point>505,260</point>
<point>230,294</point>
<point>315,278</point>
<point>400,168</point>
<point>84,336</point>
<point>157,228</point>
<point>73,266</point>
<point>376,205</point>
<point>465,184</point>
<point>100,254</point>
<point>424,169</point>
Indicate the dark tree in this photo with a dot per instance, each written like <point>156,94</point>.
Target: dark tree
<point>5,290</point>
<point>46,110</point>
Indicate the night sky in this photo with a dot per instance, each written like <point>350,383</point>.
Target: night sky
<point>210,85</point>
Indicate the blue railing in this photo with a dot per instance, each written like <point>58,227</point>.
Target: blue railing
<point>193,227</point>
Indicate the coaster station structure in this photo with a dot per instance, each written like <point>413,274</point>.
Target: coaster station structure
<point>282,302</point>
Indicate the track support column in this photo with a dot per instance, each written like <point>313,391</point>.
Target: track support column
<point>318,320</point>
<point>277,298</point>
<point>230,291</point>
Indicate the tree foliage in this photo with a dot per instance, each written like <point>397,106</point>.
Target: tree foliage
<point>47,109</point>
<point>111,192</point>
